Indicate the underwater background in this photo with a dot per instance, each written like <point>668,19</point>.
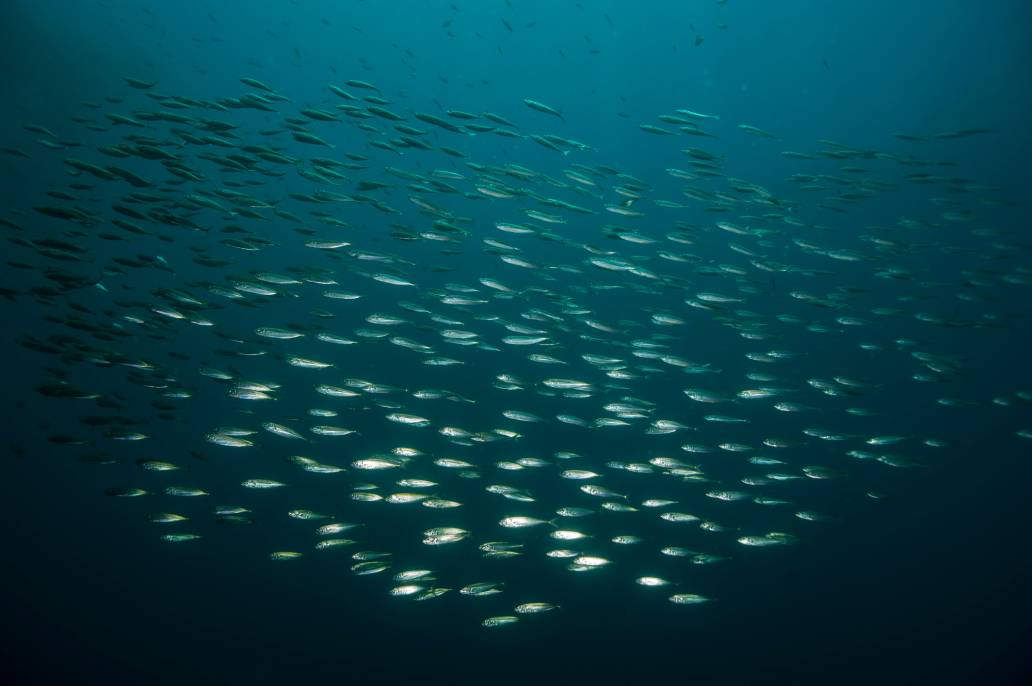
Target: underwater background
<point>927,583</point>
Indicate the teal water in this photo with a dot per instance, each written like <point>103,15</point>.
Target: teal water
<point>881,265</point>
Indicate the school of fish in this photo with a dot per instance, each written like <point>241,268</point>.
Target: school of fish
<point>403,343</point>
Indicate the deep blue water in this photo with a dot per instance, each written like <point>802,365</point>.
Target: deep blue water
<point>925,585</point>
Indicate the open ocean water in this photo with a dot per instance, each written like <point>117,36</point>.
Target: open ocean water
<point>727,303</point>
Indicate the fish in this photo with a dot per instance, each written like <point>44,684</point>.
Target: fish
<point>498,621</point>
<point>520,522</point>
<point>542,107</point>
